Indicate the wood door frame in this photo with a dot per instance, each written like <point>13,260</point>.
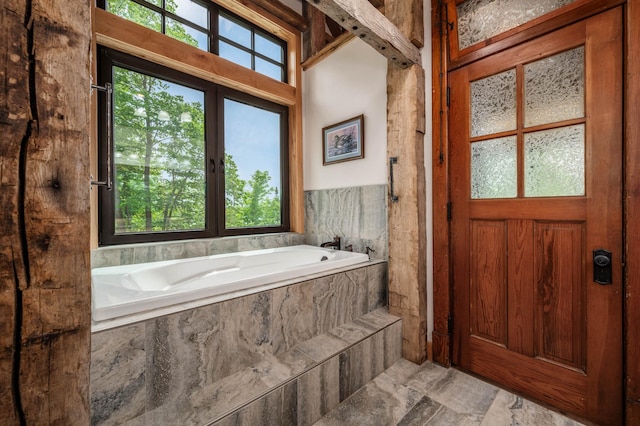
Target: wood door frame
<point>442,287</point>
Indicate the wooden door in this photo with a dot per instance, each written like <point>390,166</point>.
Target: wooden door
<point>535,178</point>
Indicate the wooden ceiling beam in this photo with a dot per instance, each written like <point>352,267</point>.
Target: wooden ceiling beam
<point>281,11</point>
<point>362,19</point>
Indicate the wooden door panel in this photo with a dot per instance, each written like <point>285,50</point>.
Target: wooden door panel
<point>560,292</point>
<point>527,312</point>
<point>539,379</point>
<point>530,208</point>
<point>489,280</point>
<point>520,287</point>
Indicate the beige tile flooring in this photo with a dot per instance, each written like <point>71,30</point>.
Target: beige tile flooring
<point>408,394</point>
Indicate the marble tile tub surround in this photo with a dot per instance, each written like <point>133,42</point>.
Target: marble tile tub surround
<point>316,392</point>
<point>358,215</point>
<point>142,367</point>
<point>128,254</point>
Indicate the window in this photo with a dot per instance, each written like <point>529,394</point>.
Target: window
<point>190,159</point>
<point>250,47</point>
<point>206,26</point>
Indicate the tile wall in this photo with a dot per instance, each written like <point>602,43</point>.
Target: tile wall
<point>356,214</point>
<point>151,252</point>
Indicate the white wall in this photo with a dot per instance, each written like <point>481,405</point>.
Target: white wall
<point>349,82</point>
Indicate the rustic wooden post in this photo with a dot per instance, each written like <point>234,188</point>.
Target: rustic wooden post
<point>407,216</point>
<point>390,35</point>
<point>44,194</point>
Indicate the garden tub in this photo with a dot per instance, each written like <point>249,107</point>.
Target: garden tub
<point>119,291</point>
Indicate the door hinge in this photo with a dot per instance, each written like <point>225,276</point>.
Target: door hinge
<point>450,325</point>
<point>449,211</point>
<point>448,96</point>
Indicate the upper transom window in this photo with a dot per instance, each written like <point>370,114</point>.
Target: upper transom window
<point>205,25</point>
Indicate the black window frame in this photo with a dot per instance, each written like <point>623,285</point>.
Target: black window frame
<point>215,94</point>
<point>214,11</point>
<point>252,51</point>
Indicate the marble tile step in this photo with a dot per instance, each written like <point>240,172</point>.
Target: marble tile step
<point>408,394</point>
<point>374,338</point>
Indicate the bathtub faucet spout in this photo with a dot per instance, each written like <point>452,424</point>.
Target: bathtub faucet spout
<point>335,243</point>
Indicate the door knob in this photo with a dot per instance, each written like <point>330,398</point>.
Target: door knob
<point>602,266</point>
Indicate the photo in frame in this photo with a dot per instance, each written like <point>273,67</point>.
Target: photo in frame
<point>343,141</point>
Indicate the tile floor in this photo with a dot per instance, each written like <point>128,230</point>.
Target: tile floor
<point>407,394</point>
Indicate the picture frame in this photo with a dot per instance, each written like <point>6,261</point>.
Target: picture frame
<point>343,141</point>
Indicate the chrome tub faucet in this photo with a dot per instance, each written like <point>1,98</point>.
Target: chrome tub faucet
<point>335,243</point>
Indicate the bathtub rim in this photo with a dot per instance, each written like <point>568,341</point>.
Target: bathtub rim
<point>97,326</point>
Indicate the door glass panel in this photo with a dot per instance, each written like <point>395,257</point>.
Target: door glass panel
<point>494,168</point>
<point>554,162</point>
<point>554,88</point>
<point>479,20</point>
<point>493,104</point>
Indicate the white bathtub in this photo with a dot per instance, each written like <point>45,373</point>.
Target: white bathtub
<point>119,291</point>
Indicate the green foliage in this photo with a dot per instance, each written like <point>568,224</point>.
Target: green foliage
<point>249,204</point>
<point>160,167</point>
<point>146,17</point>
<point>160,170</point>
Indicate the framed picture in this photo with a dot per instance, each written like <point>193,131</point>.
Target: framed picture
<point>343,141</point>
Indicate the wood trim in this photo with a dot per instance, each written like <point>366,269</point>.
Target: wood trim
<point>632,212</point>
<point>562,17</point>
<point>128,37</point>
<point>296,188</point>
<point>440,179</point>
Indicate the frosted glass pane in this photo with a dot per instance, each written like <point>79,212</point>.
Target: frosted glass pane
<point>479,20</point>
<point>554,88</point>
<point>554,162</point>
<point>493,104</point>
<point>494,168</point>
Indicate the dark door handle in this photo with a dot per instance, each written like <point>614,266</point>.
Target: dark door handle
<point>392,195</point>
<point>602,266</point>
